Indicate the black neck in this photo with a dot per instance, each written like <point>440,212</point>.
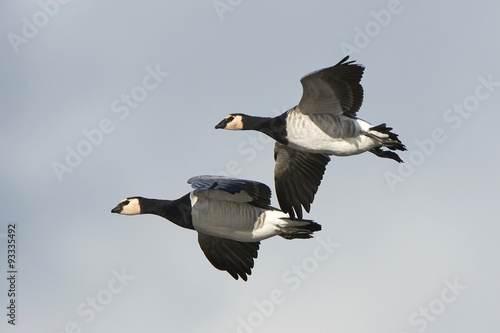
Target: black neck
<point>177,211</point>
<point>273,127</point>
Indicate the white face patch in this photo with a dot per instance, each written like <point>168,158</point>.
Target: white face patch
<point>236,123</point>
<point>132,208</point>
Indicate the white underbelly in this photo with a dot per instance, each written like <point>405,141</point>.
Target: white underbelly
<point>238,221</point>
<point>347,139</point>
<point>332,146</point>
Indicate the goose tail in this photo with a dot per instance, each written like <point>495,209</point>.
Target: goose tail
<point>293,229</point>
<point>387,139</point>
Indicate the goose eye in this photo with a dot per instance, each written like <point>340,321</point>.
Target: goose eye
<point>230,118</point>
<point>126,202</point>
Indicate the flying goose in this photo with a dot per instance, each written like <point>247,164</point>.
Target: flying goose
<point>323,123</point>
<point>231,217</point>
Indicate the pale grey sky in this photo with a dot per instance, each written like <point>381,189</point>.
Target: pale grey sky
<point>104,101</point>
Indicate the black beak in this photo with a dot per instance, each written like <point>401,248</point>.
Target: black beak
<point>117,209</point>
<point>222,124</point>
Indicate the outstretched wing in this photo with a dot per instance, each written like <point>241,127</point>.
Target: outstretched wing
<point>228,255</point>
<point>241,190</point>
<point>334,90</point>
<point>297,176</point>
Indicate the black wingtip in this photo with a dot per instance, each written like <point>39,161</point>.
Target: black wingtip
<point>343,60</point>
<point>297,177</point>
<point>236,276</point>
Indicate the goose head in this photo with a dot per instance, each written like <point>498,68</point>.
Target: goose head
<point>129,206</point>
<point>232,122</point>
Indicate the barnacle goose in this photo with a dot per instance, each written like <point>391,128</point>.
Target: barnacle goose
<point>231,217</point>
<point>323,123</point>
